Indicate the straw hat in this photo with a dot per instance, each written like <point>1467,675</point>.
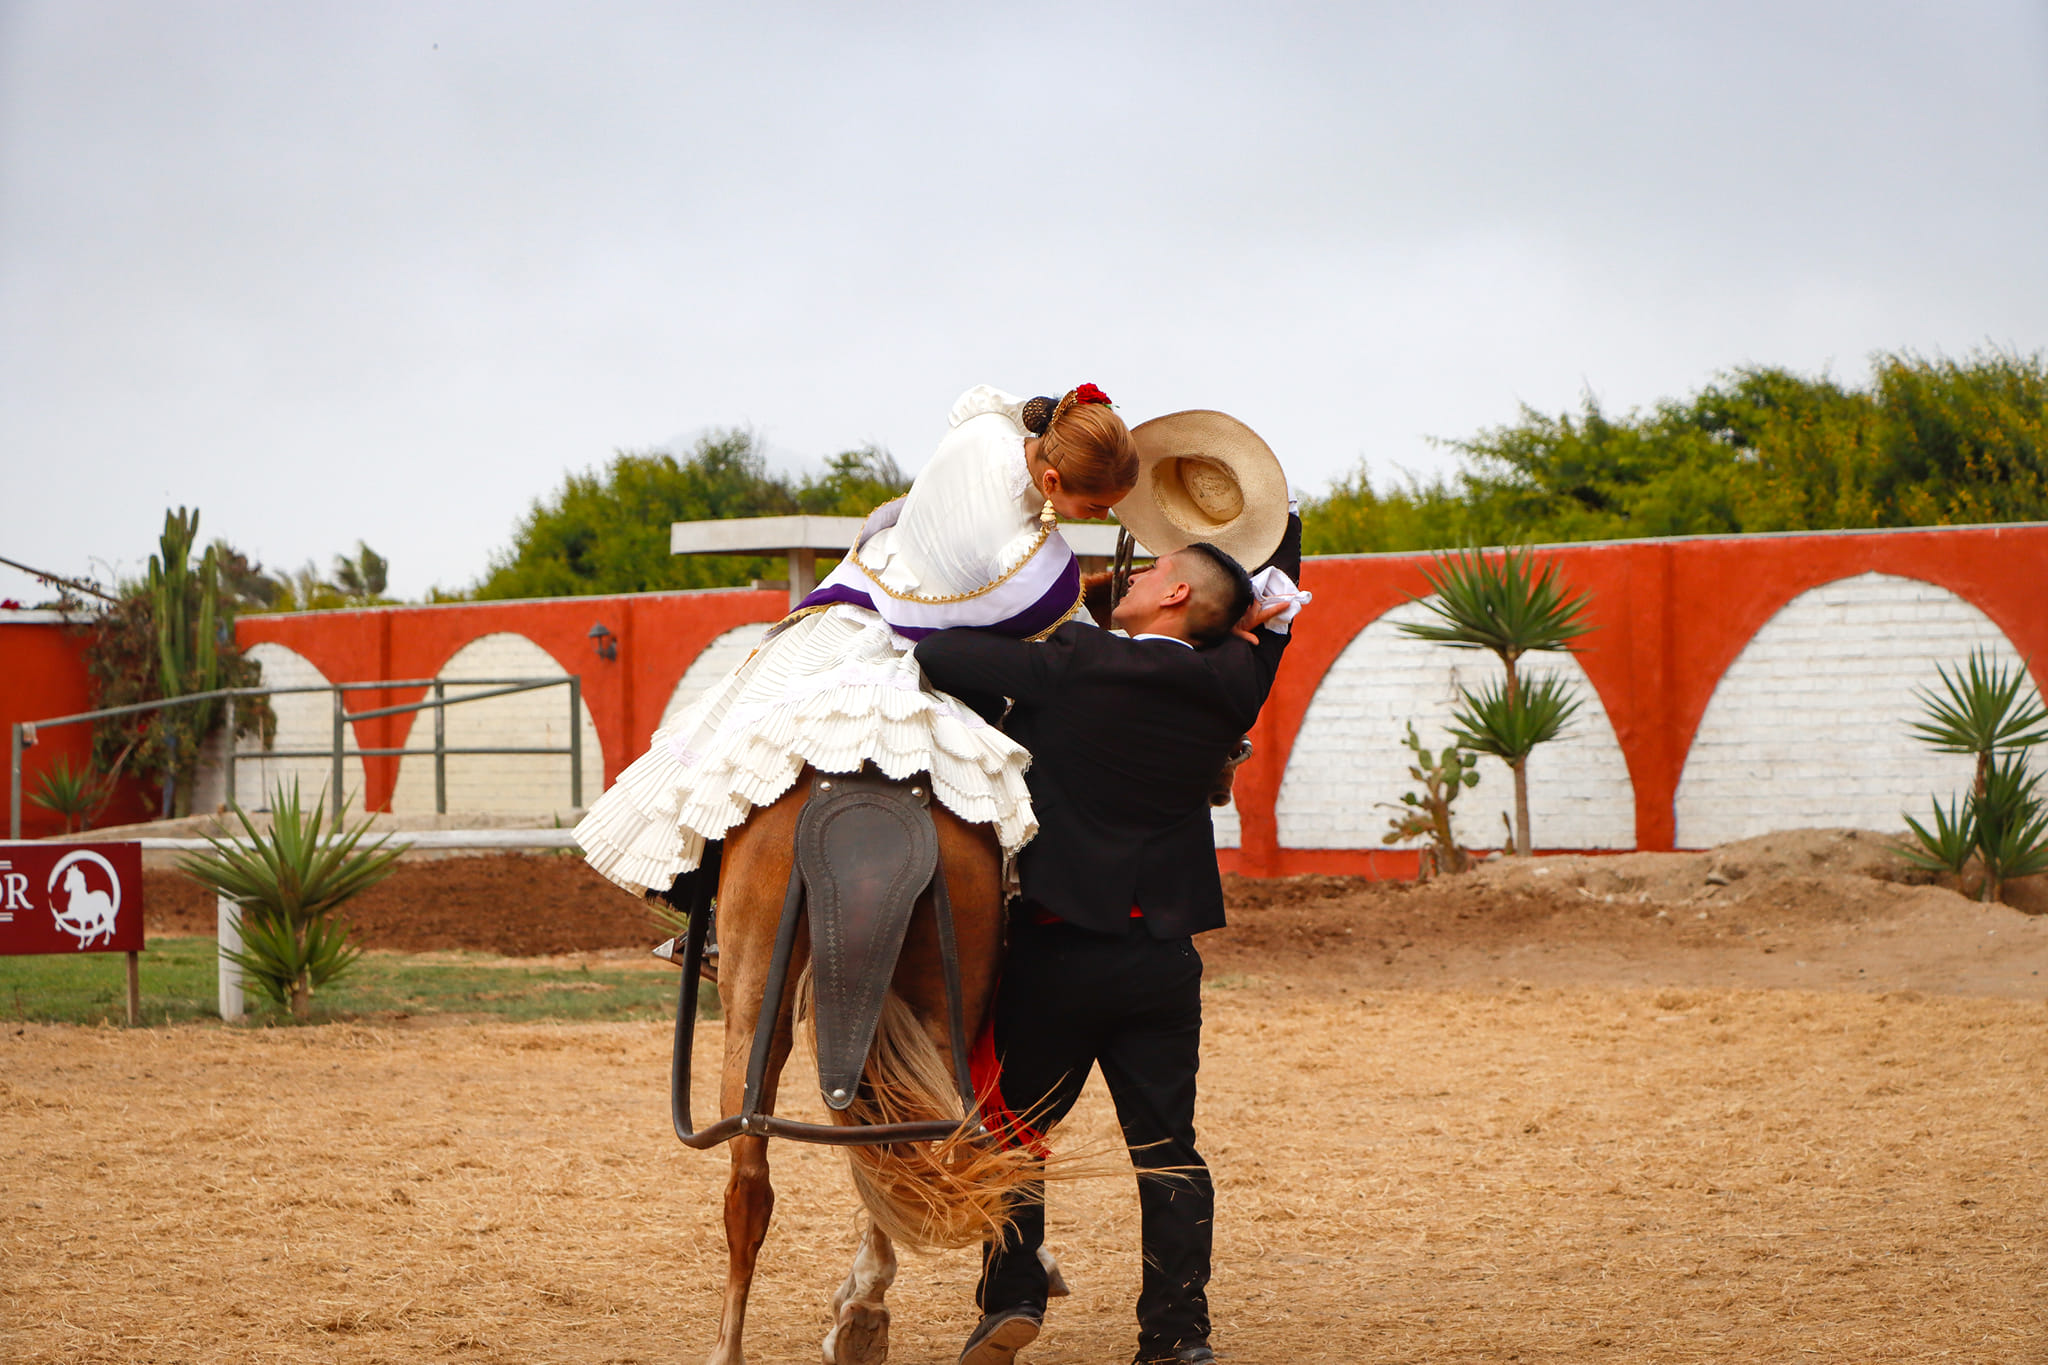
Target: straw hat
<point>1206,476</point>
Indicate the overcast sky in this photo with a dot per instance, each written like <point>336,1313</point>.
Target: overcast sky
<point>387,271</point>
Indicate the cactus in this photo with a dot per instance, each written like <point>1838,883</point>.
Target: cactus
<point>1428,815</point>
<point>186,611</point>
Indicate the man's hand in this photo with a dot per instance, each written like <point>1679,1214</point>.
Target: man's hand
<point>1256,616</point>
<point>1095,596</point>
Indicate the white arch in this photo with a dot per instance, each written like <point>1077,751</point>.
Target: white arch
<point>1809,726</point>
<point>712,663</point>
<point>1349,753</point>
<point>305,720</point>
<point>508,783</point>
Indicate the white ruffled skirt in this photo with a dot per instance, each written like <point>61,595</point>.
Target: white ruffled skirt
<point>832,690</point>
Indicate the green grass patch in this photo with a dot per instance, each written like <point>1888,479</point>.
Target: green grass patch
<point>179,985</point>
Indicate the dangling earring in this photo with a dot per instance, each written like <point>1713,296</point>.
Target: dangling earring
<point>1048,516</point>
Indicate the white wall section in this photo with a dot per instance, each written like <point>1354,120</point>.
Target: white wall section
<point>1349,754</point>
<point>506,782</point>
<point>305,720</point>
<point>1809,727</point>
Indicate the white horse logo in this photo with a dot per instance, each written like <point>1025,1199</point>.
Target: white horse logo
<point>86,914</point>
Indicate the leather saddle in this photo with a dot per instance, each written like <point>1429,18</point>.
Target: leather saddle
<point>866,850</point>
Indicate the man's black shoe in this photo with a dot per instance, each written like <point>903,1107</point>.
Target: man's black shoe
<point>1003,1333</point>
<point>1195,1354</point>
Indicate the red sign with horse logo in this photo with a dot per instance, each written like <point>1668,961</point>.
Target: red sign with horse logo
<point>70,898</point>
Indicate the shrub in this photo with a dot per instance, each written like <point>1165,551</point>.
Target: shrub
<point>289,883</point>
<point>1984,709</point>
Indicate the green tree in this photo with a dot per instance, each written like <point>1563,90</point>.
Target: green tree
<point>243,584</point>
<point>362,576</point>
<point>855,483</point>
<point>608,531</point>
<point>1759,449</point>
<point>1964,442</point>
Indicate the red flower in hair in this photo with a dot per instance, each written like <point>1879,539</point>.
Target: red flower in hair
<point>1088,393</point>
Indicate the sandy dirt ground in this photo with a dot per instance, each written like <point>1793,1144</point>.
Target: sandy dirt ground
<point>1502,1119</point>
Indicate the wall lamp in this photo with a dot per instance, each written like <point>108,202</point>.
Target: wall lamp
<point>607,643</point>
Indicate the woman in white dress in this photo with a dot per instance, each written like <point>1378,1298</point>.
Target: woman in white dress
<point>834,685</point>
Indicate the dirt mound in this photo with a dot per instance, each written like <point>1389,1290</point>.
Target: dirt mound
<point>1815,909</point>
<point>1716,873</point>
<point>515,904</point>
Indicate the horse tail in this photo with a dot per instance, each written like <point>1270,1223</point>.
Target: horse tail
<point>925,1195</point>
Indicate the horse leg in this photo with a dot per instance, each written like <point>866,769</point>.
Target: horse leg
<point>749,1198</point>
<point>749,1202</point>
<point>860,1320</point>
<point>752,883</point>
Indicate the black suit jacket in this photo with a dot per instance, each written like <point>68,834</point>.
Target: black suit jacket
<point>1126,738</point>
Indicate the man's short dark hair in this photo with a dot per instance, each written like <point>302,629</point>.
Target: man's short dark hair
<point>1220,593</point>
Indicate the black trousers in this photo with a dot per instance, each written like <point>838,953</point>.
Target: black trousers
<point>1131,1004</point>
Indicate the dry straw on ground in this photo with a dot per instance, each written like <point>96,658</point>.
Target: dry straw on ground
<point>1571,1174</point>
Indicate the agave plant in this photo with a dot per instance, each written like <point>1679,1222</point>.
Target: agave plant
<point>1509,606</point>
<point>77,794</point>
<point>1952,842</point>
<point>2012,827</point>
<point>289,882</point>
<point>1983,709</point>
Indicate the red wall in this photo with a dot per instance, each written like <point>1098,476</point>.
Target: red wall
<point>658,635</point>
<point>1671,616</point>
<point>42,674</point>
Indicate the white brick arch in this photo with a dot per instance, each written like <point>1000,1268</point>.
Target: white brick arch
<point>509,783</point>
<point>305,720</point>
<point>712,663</point>
<point>1809,727</point>
<point>1349,753</point>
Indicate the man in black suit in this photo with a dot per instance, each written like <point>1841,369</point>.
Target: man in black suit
<point>1127,734</point>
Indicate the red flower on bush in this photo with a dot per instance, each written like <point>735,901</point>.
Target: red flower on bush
<point>1088,393</point>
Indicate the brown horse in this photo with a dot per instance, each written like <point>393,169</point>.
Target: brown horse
<point>949,1193</point>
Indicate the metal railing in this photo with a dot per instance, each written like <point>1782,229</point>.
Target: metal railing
<point>23,734</point>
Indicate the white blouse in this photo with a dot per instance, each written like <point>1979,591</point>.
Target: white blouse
<point>971,515</point>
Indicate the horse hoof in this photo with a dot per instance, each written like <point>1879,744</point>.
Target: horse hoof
<point>861,1336</point>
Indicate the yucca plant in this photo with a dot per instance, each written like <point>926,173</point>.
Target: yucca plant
<point>1508,605</point>
<point>2012,828</point>
<point>1490,721</point>
<point>77,794</point>
<point>1952,842</point>
<point>1981,709</point>
<point>289,882</point>
<point>1984,709</point>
